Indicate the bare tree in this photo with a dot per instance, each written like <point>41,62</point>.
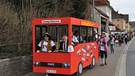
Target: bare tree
<point>8,24</point>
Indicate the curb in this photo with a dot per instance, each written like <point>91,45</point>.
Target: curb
<point>121,65</point>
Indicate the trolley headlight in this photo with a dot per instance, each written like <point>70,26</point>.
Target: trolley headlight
<point>36,63</point>
<point>66,65</point>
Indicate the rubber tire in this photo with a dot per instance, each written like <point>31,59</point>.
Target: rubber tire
<point>93,63</point>
<point>48,75</point>
<point>80,70</point>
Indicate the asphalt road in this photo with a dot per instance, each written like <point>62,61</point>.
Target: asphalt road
<point>130,66</point>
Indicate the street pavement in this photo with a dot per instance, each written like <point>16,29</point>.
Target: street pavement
<point>107,70</point>
<point>110,68</point>
<point>130,67</point>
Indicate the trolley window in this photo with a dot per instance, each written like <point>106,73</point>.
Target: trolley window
<point>54,31</point>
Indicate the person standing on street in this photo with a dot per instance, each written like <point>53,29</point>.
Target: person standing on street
<point>103,49</point>
<point>120,39</point>
<point>126,38</point>
<point>112,41</point>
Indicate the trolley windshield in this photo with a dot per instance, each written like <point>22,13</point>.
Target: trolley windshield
<point>56,33</point>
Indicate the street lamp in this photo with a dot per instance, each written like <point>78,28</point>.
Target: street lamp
<point>93,4</point>
<point>93,18</point>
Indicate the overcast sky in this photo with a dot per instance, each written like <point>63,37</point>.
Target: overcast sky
<point>124,7</point>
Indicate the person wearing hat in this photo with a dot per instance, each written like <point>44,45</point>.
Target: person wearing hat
<point>46,44</point>
<point>103,48</point>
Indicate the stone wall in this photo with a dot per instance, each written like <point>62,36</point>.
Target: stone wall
<point>16,66</point>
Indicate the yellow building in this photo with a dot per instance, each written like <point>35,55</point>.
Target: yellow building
<point>128,27</point>
<point>120,23</point>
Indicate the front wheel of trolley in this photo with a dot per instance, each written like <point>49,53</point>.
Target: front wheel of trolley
<point>92,65</point>
<point>80,70</point>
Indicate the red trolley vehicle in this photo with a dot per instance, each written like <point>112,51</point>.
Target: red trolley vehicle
<point>84,54</point>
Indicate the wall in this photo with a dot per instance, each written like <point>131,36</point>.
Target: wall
<point>98,20</point>
<point>109,13</point>
<point>15,66</point>
<point>107,10</point>
<point>121,22</point>
<point>128,27</point>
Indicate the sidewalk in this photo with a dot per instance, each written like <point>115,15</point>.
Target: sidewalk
<point>107,70</point>
<point>110,68</point>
